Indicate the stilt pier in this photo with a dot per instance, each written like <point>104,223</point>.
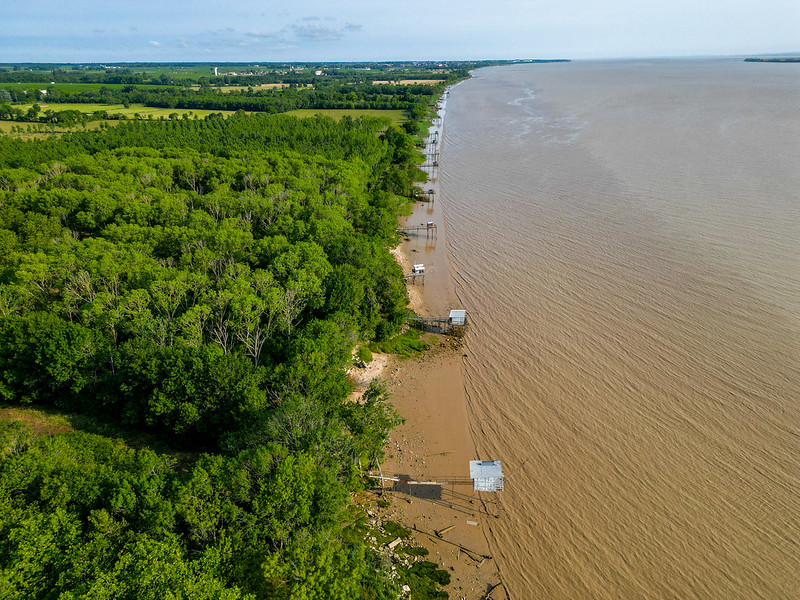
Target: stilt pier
<point>456,321</point>
<point>436,324</point>
<point>426,195</point>
<point>416,278</point>
<point>417,273</point>
<point>429,228</point>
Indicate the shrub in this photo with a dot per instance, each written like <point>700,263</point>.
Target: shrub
<point>364,354</point>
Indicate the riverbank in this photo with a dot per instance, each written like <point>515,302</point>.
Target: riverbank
<point>435,442</point>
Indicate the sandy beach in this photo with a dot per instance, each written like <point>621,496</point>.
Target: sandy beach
<point>435,443</point>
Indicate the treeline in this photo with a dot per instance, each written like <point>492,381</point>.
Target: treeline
<point>363,96</point>
<point>184,74</point>
<point>783,59</point>
<point>116,76</point>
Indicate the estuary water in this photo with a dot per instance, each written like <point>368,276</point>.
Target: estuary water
<point>626,239</point>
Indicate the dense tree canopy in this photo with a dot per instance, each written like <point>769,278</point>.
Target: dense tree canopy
<point>191,292</point>
<point>206,281</point>
<point>83,517</point>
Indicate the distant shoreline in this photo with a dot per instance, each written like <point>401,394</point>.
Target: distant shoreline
<point>786,59</point>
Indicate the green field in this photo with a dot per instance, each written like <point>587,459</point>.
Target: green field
<point>130,111</point>
<point>396,116</point>
<point>40,130</point>
<point>258,86</point>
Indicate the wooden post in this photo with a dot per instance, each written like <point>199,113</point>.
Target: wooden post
<point>381,473</point>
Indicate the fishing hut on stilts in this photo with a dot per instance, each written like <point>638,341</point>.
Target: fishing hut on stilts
<point>454,323</point>
<point>429,228</point>
<point>484,476</point>
<point>417,274</point>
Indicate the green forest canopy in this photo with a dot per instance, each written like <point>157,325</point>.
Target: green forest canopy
<point>207,281</point>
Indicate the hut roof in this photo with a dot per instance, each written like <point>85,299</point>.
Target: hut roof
<point>487,475</point>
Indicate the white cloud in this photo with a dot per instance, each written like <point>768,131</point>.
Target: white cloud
<point>316,32</point>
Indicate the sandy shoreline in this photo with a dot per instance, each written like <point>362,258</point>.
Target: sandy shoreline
<point>435,440</point>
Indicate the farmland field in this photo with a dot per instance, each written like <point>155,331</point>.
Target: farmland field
<point>130,111</point>
<point>40,130</point>
<point>396,116</point>
<point>408,82</point>
<point>258,86</point>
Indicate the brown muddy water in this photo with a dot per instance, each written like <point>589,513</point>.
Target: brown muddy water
<point>626,238</point>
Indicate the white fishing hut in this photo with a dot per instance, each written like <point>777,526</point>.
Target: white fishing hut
<point>457,317</point>
<point>486,475</point>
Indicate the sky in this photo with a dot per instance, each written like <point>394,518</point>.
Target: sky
<point>359,30</point>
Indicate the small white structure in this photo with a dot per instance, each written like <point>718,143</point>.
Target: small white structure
<point>418,269</point>
<point>458,317</point>
<point>487,475</point>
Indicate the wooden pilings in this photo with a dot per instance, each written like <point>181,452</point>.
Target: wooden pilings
<point>434,324</point>
<point>429,229</point>
<point>414,277</point>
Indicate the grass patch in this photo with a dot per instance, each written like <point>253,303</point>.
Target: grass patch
<point>45,422</point>
<point>42,424</point>
<point>413,550</point>
<point>129,111</point>
<point>395,116</point>
<point>256,86</point>
<point>407,345</point>
<point>422,129</point>
<point>355,529</point>
<point>431,570</point>
<point>424,577</point>
<point>396,530</point>
<point>29,131</point>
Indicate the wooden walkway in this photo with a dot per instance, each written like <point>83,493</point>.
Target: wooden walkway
<point>428,228</point>
<point>434,324</point>
<point>426,196</point>
<point>432,481</point>
<point>413,277</point>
